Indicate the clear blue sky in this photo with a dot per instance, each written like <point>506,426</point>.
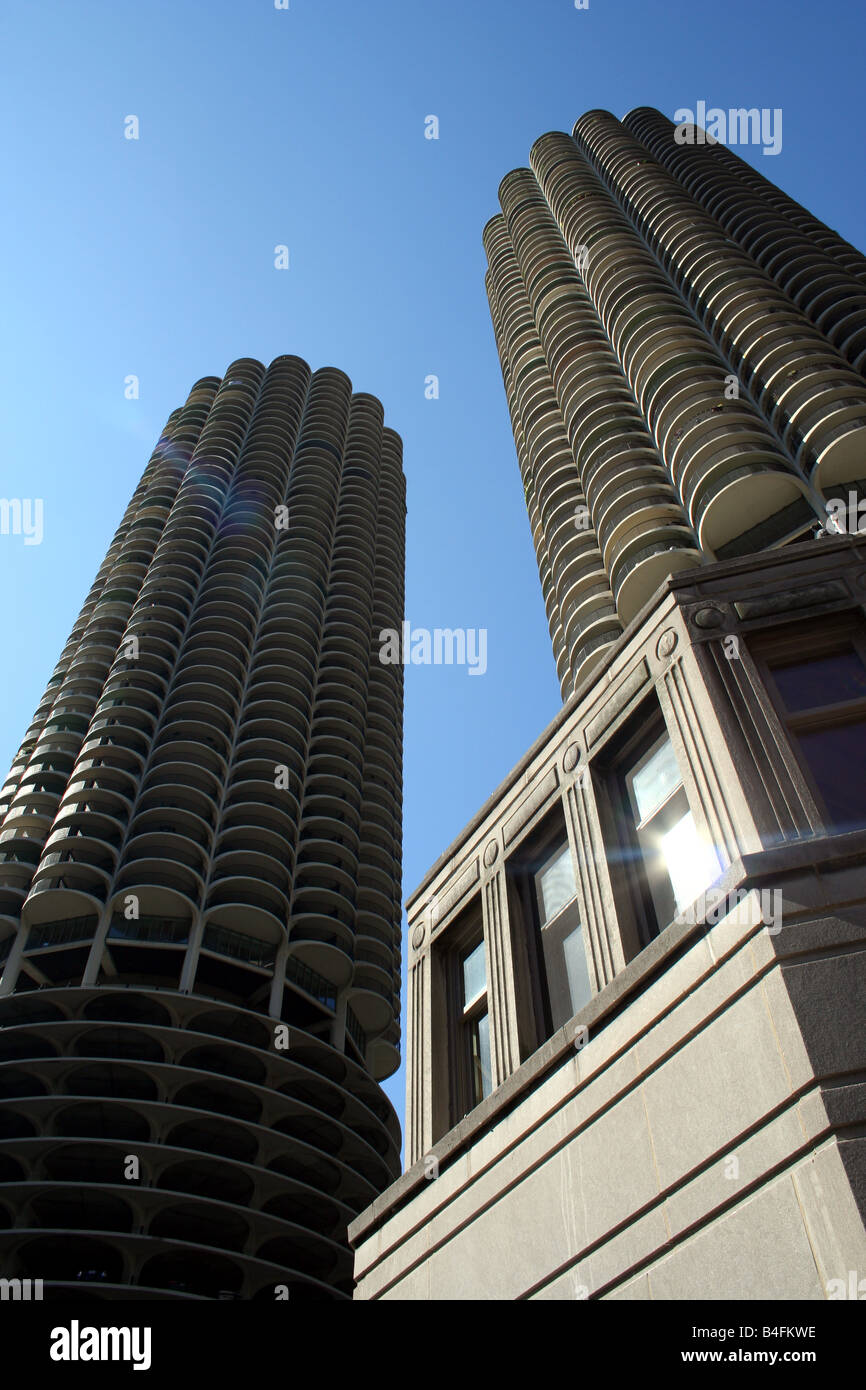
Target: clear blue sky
<point>306,127</point>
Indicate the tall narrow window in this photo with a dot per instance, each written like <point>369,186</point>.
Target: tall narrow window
<point>562,945</point>
<point>822,701</point>
<point>476,1024</point>
<point>557,971</point>
<point>659,860</point>
<point>677,862</point>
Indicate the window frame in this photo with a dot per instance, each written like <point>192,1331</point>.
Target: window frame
<point>671,808</point>
<point>464,1017</point>
<point>637,915</point>
<point>553,848</point>
<point>784,646</point>
<point>629,882</point>
<point>535,853</point>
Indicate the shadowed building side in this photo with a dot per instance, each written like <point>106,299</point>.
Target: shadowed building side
<point>201,862</point>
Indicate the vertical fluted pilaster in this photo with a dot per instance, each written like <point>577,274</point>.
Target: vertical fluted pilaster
<point>504,1037</point>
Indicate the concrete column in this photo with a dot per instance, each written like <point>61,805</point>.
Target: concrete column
<point>679,693</point>
<point>193,951</point>
<point>94,959</point>
<point>9,978</point>
<point>419,1063</point>
<point>337,1037</point>
<point>504,1037</point>
<point>598,910</point>
<point>275,1001</point>
<point>717,684</point>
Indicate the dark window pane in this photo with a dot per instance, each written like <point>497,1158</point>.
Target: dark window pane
<point>837,761</point>
<point>827,680</point>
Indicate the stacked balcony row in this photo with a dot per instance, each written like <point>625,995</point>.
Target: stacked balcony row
<point>236,766</point>
<point>251,1160</point>
<point>812,398</point>
<point>683,371</point>
<point>822,276</point>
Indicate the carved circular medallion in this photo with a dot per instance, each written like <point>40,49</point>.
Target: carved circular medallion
<point>708,617</point>
<point>666,643</point>
<point>571,757</point>
<point>491,853</point>
<point>418,936</point>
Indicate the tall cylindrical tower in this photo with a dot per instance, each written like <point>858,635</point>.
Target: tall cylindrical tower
<point>200,856</point>
<point>683,351</point>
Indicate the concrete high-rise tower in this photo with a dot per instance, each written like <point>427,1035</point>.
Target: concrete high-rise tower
<point>683,349</point>
<point>200,850</point>
<point>637,977</point>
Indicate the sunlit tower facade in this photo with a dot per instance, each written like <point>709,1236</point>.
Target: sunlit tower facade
<point>683,349</point>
